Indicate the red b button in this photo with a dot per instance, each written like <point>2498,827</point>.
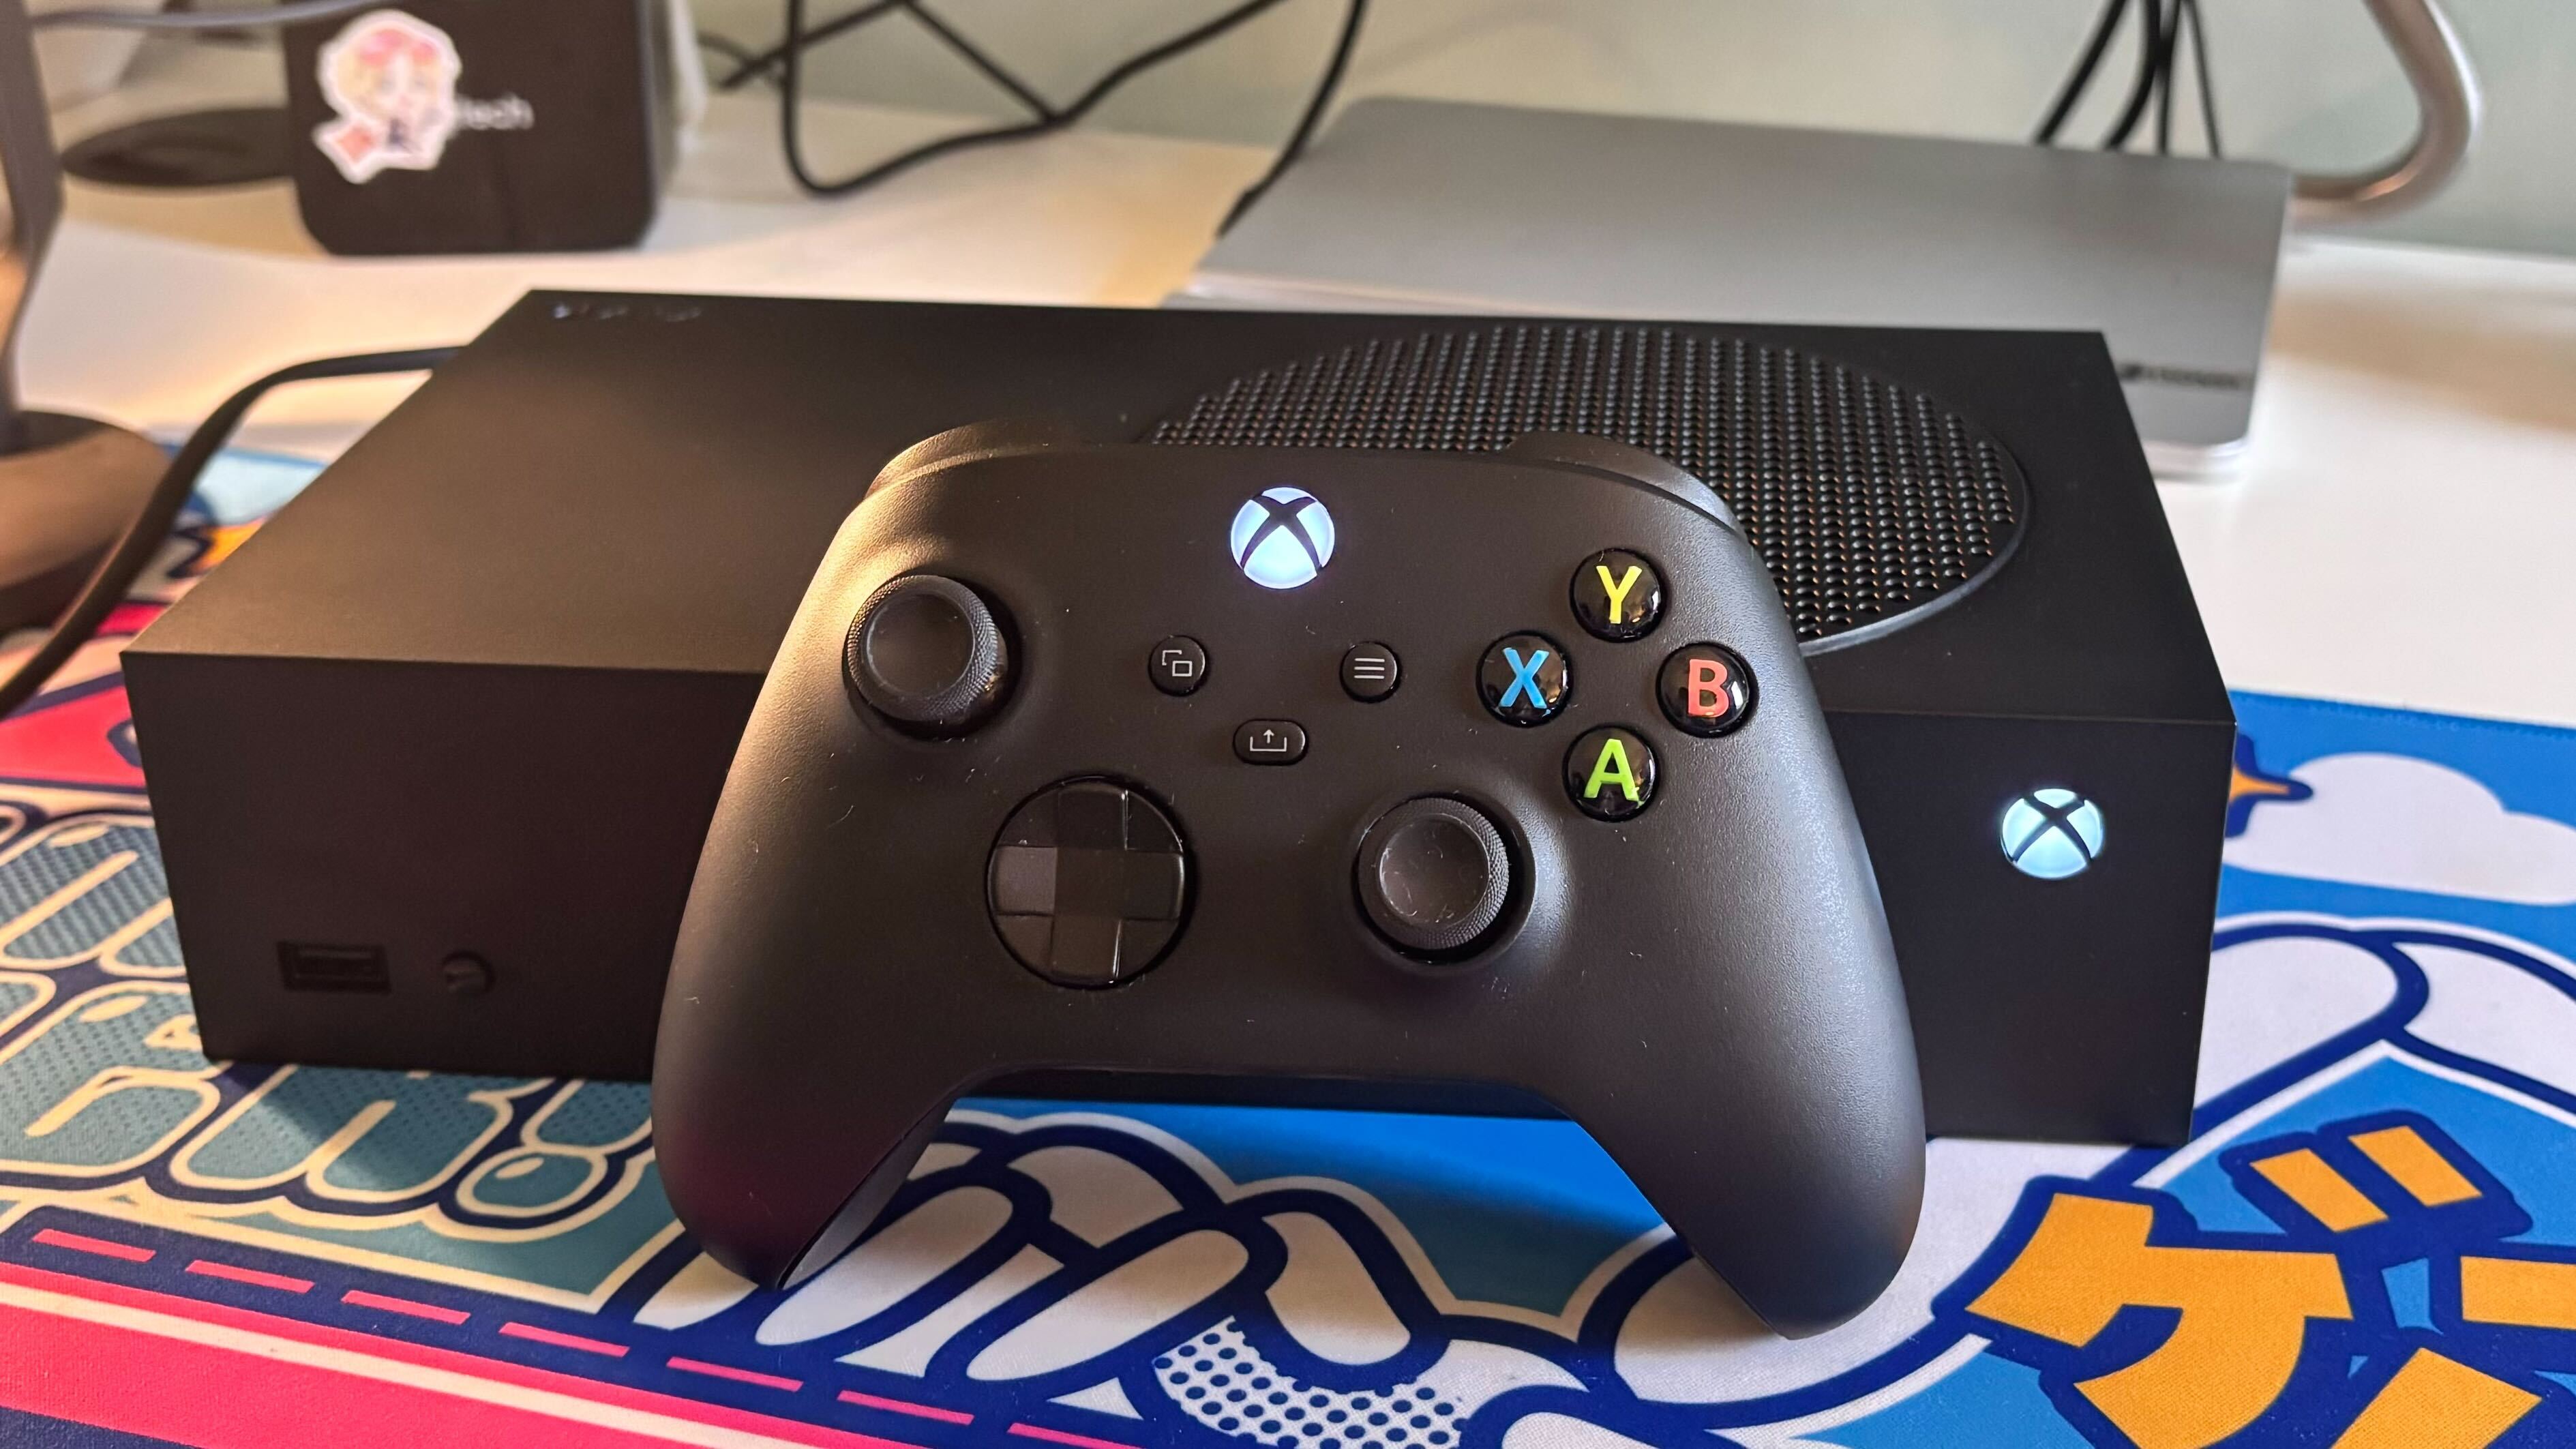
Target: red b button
<point>1706,689</point>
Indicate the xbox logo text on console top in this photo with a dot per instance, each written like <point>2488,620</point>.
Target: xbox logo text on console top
<point>1281,539</point>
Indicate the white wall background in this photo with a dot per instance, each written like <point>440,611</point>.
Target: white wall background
<point>2304,82</point>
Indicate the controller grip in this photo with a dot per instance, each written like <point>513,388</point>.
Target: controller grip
<point>1807,1219</point>
<point>776,1183</point>
<point>1766,1100</point>
<point>778,1138</point>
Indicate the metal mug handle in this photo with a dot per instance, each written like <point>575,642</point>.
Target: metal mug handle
<point>2447,104</point>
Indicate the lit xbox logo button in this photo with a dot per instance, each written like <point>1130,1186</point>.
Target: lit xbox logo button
<point>1282,538</point>
<point>2052,833</point>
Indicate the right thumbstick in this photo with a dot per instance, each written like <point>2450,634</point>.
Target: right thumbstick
<point>1434,875</point>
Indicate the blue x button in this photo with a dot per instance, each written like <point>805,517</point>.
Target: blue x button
<point>1525,679</point>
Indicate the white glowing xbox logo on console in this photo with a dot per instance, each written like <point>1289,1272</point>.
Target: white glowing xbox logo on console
<point>1282,538</point>
<point>2052,833</point>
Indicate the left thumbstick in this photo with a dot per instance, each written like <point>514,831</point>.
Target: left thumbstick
<point>926,653</point>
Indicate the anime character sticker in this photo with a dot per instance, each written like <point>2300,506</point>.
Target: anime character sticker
<point>392,79</point>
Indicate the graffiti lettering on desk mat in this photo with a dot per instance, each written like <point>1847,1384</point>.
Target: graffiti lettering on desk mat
<point>2372,1240</point>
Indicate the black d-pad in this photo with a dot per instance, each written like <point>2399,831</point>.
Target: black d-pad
<point>1086,883</point>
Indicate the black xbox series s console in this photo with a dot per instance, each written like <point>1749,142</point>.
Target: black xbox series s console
<point>434,755</point>
<point>983,821</point>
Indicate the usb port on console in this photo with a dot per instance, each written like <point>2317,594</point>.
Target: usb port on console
<point>307,966</point>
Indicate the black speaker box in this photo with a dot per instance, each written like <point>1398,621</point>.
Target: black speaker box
<point>433,754</point>
<point>482,125</point>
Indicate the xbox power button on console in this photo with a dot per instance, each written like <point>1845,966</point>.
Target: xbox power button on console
<point>926,653</point>
<point>1434,876</point>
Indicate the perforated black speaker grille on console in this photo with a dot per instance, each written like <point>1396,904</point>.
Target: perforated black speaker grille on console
<point>1867,500</point>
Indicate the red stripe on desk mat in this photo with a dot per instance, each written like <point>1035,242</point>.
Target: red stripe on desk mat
<point>148,1383</point>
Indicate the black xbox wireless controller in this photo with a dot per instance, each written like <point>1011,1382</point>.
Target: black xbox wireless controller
<point>1468,781</point>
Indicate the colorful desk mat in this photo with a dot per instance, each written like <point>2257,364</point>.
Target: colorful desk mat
<point>2371,1242</point>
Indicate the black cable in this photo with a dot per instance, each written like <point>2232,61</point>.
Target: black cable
<point>791,83</point>
<point>1145,60</point>
<point>732,50</point>
<point>791,139</point>
<point>2080,79</point>
<point>761,63</point>
<point>291,13</point>
<point>143,538</point>
<point>2150,51</point>
<point>2165,82</point>
<point>2200,72</point>
<point>2158,77</point>
<point>973,55</point>
<point>1316,105</point>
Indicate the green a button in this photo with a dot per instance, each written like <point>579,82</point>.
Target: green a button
<point>1610,773</point>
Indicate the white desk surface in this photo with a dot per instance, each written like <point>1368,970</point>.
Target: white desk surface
<point>2402,532</point>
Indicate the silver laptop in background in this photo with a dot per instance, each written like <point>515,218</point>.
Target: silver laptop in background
<point>1436,206</point>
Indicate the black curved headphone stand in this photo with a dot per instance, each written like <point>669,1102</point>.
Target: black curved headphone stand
<point>68,485</point>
